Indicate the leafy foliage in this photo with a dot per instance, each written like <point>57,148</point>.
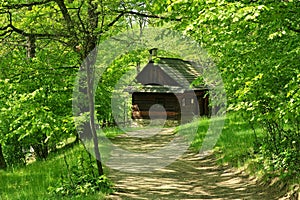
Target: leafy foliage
<point>81,180</point>
<point>119,74</point>
<point>256,47</point>
<point>38,111</point>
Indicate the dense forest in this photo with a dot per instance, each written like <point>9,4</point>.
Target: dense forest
<point>44,43</point>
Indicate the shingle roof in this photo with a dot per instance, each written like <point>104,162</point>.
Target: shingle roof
<point>167,75</point>
<point>183,72</point>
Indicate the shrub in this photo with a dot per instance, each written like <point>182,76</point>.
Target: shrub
<point>80,180</point>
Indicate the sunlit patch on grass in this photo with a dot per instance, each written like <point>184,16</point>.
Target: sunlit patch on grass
<point>33,180</point>
<point>234,146</point>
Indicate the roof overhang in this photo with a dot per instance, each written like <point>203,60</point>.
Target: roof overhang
<point>161,89</point>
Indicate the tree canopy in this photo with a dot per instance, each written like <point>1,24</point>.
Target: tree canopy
<point>255,45</point>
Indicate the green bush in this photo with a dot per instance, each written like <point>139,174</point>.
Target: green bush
<point>81,179</point>
<point>82,185</point>
<point>14,153</point>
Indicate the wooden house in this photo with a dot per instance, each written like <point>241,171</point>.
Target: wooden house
<point>168,82</point>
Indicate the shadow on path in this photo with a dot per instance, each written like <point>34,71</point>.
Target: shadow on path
<point>189,177</point>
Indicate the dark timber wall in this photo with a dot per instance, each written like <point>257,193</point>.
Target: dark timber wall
<point>177,106</point>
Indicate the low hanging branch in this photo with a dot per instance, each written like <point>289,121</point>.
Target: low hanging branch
<point>122,13</point>
<point>66,16</point>
<point>153,16</point>
<point>10,28</point>
<point>131,12</point>
<point>28,5</point>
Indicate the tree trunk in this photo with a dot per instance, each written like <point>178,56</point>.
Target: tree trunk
<point>89,66</point>
<point>31,47</point>
<point>90,55</point>
<point>41,150</point>
<point>2,160</point>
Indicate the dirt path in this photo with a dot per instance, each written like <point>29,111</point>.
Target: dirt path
<point>189,177</point>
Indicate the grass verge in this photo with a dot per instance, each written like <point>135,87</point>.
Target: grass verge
<point>238,146</point>
<point>32,181</point>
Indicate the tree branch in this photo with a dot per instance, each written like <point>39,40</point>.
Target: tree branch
<point>114,21</point>
<point>23,5</point>
<point>66,15</point>
<point>122,13</point>
<point>79,18</point>
<point>102,16</point>
<point>149,16</point>
<point>102,30</point>
<point>4,28</point>
<point>5,33</point>
<point>22,32</point>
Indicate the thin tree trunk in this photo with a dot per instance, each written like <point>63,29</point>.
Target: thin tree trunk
<point>31,47</point>
<point>2,160</point>
<point>86,88</point>
<point>41,149</point>
<point>90,55</point>
<point>91,98</point>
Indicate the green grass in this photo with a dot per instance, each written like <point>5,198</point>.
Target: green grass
<point>235,147</point>
<point>112,132</point>
<point>33,180</point>
<point>235,144</point>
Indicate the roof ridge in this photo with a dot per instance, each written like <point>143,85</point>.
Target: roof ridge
<point>178,59</point>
